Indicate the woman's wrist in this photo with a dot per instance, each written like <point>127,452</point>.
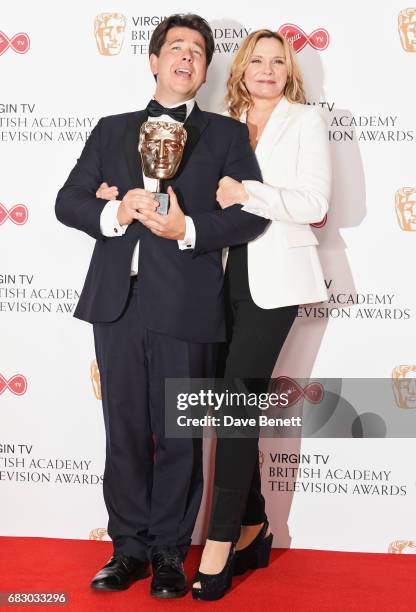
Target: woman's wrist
<point>244,195</point>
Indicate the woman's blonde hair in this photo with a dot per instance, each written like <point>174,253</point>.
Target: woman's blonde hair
<point>238,99</point>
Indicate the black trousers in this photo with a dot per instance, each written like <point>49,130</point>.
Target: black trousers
<point>152,484</point>
<point>256,337</point>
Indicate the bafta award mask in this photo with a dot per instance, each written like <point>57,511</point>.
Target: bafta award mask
<point>407,29</point>
<point>404,386</point>
<point>398,546</point>
<point>98,534</point>
<point>161,147</point>
<point>405,201</point>
<point>109,32</point>
<point>95,379</point>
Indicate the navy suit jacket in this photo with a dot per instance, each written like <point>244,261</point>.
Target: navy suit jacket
<point>180,292</point>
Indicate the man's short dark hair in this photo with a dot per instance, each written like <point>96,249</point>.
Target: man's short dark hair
<point>188,20</point>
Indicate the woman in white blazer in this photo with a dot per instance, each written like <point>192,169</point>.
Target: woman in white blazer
<point>266,280</point>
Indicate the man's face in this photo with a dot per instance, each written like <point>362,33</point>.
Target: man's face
<point>109,33</point>
<point>181,67</point>
<point>161,146</point>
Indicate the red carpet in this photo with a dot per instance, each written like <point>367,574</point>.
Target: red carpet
<point>295,581</point>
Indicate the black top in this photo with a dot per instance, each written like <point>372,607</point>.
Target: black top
<point>237,274</point>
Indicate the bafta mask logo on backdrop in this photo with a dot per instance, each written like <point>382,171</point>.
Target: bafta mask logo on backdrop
<point>313,392</point>
<point>405,203</point>
<point>95,379</point>
<point>98,534</point>
<point>109,31</point>
<point>399,546</point>
<point>318,39</point>
<point>17,384</point>
<point>19,43</point>
<point>18,214</point>
<point>404,386</point>
<point>407,29</point>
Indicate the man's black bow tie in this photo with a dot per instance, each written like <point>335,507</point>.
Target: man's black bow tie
<point>155,110</point>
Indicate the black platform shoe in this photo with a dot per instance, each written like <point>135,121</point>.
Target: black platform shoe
<point>256,554</point>
<point>214,586</point>
<point>119,573</point>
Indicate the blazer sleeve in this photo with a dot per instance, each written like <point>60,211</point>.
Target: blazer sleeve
<point>222,228</point>
<point>76,204</point>
<point>308,201</point>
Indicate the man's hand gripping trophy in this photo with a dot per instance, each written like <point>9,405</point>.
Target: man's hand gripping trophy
<point>161,146</point>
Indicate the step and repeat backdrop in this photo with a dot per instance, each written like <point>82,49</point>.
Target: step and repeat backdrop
<point>65,65</point>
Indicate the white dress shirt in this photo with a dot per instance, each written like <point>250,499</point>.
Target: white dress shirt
<point>111,228</point>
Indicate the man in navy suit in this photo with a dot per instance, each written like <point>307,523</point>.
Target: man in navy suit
<point>154,293</point>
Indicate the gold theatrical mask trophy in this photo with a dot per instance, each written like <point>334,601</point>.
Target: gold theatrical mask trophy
<point>161,145</point>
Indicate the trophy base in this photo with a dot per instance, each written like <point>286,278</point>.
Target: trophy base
<point>163,199</point>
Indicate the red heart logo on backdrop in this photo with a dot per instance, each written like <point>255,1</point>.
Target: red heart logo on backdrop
<point>18,213</point>
<point>17,384</point>
<point>320,223</point>
<point>313,392</point>
<point>19,42</point>
<point>318,39</point>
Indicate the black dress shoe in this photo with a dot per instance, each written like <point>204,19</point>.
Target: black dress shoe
<point>169,579</point>
<point>119,573</point>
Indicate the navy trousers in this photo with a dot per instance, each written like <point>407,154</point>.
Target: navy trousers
<point>152,484</point>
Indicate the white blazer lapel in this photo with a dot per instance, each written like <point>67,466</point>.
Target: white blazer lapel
<point>268,139</point>
<point>272,132</point>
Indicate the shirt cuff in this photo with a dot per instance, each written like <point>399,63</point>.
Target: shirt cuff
<point>109,225</point>
<point>189,239</point>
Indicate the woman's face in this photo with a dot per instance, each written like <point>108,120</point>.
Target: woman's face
<point>266,75</point>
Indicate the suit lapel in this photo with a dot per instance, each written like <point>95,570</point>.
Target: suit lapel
<point>131,143</point>
<point>272,131</point>
<point>194,126</point>
<point>134,165</point>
